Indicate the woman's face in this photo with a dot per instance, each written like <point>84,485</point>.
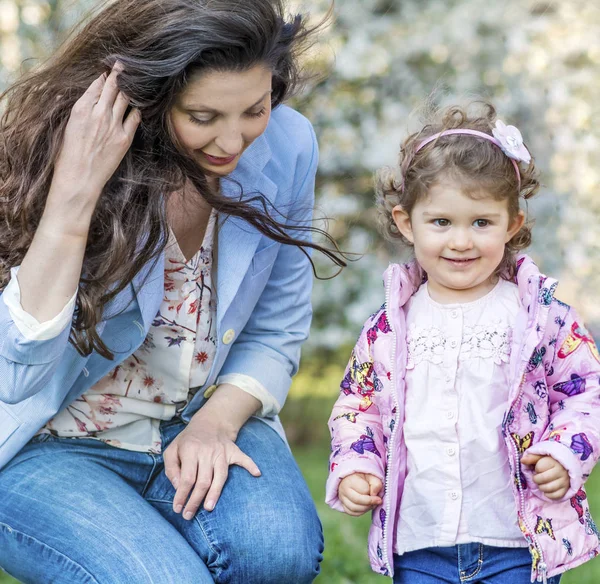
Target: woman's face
<point>219,114</point>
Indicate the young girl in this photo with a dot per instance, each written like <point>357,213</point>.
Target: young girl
<point>469,415</point>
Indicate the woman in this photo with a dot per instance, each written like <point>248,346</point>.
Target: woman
<point>155,221</point>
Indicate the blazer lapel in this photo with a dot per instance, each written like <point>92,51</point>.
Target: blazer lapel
<point>237,239</point>
<point>148,286</point>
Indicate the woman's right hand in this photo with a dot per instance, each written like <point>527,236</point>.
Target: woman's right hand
<point>96,139</point>
<point>359,493</point>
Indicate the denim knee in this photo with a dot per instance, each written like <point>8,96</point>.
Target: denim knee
<point>276,556</point>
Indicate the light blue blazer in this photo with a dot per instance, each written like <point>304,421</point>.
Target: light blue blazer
<point>263,299</point>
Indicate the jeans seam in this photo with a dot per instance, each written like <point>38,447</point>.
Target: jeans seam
<point>150,476</point>
<point>463,576</point>
<point>11,530</point>
<point>202,529</point>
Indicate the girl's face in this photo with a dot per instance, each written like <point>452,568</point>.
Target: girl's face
<point>459,241</point>
<point>220,113</point>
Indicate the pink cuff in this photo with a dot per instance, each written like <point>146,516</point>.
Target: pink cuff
<point>563,455</point>
<point>345,468</point>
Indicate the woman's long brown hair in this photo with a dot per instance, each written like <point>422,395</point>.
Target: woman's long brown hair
<point>160,43</point>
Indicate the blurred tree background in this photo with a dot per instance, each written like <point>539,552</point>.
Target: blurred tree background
<point>537,61</point>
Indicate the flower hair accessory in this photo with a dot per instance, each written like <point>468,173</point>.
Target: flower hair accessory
<point>511,142</point>
<point>507,138</point>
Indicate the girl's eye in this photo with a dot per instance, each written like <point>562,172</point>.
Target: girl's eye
<point>481,222</point>
<point>441,222</point>
<point>200,122</point>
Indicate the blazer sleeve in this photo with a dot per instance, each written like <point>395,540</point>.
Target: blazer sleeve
<point>26,364</point>
<point>268,348</point>
<point>572,436</point>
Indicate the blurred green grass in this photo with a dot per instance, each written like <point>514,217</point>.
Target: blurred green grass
<point>305,418</point>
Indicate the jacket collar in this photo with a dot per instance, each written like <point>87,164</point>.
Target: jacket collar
<point>405,279</point>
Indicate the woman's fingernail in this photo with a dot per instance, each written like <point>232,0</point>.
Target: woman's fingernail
<point>188,515</point>
<point>209,505</point>
<point>179,509</point>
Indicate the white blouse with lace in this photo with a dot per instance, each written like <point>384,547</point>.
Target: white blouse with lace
<point>458,483</point>
<point>125,408</point>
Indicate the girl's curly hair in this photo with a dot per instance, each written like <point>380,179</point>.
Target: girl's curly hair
<point>477,164</point>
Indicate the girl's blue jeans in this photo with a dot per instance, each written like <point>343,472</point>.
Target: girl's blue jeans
<point>79,511</point>
<point>471,563</point>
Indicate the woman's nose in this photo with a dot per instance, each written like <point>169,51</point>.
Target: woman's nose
<point>230,141</point>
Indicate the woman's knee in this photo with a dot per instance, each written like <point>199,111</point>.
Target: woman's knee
<point>286,551</point>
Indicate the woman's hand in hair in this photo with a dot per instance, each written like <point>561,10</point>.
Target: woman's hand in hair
<point>96,138</point>
<point>197,462</point>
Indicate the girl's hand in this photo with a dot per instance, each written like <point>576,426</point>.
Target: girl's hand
<point>359,493</point>
<point>197,461</point>
<point>551,477</point>
<point>95,141</point>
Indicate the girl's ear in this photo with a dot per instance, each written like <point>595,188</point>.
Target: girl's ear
<point>515,226</point>
<point>402,221</point>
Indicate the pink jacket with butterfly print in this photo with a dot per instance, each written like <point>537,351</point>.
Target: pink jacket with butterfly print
<point>554,366</point>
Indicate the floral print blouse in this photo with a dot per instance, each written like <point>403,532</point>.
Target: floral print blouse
<point>125,408</point>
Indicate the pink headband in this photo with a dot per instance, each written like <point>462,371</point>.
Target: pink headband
<point>507,138</point>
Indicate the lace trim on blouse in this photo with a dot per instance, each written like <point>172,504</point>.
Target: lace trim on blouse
<point>490,342</point>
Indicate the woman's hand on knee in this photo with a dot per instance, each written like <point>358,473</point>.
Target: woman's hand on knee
<point>197,464</point>
<point>359,493</point>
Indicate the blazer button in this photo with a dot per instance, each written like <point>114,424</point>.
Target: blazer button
<point>229,336</point>
<point>209,391</point>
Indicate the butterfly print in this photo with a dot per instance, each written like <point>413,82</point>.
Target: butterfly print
<point>576,502</point>
<point>346,385</point>
<point>544,526</point>
<point>382,517</point>
<point>366,444</point>
<point>578,337</point>
<point>568,546</point>
<point>580,444</point>
<point>523,443</point>
<point>574,386</point>
<point>350,416</point>
<point>381,325</point>
<point>546,295</point>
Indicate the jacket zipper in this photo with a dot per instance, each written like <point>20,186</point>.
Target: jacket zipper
<point>541,566</point>
<point>392,434</point>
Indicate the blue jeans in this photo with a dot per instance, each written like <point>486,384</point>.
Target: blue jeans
<point>79,511</point>
<point>471,563</point>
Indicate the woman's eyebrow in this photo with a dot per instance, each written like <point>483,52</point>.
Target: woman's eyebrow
<point>204,108</point>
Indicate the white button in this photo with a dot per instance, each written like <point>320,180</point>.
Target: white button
<point>209,391</point>
<point>454,313</point>
<point>450,451</point>
<point>454,495</point>
<point>449,415</point>
<point>229,336</point>
<point>453,343</point>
